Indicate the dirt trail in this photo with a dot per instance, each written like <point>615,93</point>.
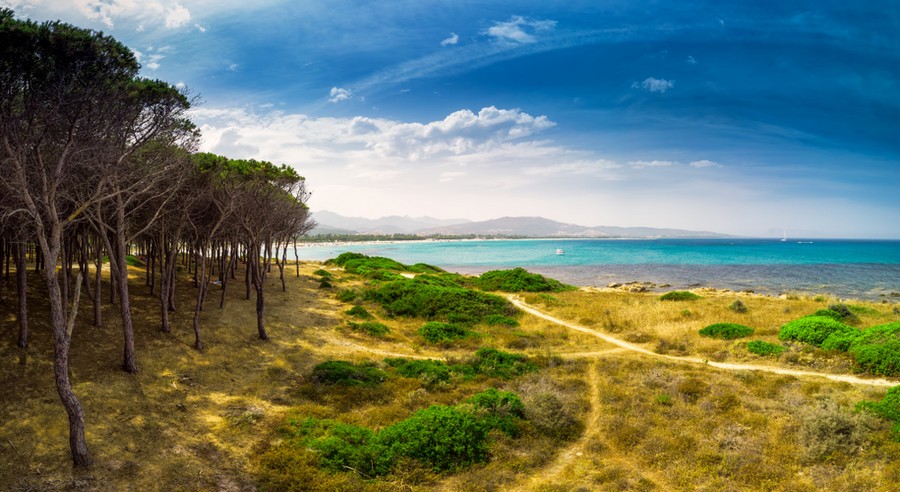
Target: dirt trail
<point>846,378</point>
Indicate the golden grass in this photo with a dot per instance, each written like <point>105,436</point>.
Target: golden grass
<point>194,420</point>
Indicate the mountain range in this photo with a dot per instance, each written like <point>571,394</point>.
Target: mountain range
<point>332,223</point>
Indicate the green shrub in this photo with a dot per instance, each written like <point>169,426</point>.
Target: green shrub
<point>343,258</point>
<point>498,319</point>
<point>879,334</point>
<point>444,438</point>
<point>324,284</point>
<point>409,297</point>
<point>828,313</point>
<point>492,362</point>
<point>679,295</point>
<point>727,331</point>
<point>430,369</point>
<point>347,295</point>
<point>343,447</point>
<point>760,347</point>
<point>888,408</point>
<point>360,312</point>
<point>738,306</point>
<point>347,374</point>
<point>499,409</point>
<point>813,329</point>
<point>841,340</point>
<point>373,328</point>
<point>878,358</point>
<point>437,332</point>
<point>518,280</point>
<point>323,273</point>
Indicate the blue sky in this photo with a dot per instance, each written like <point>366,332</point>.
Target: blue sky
<point>749,118</point>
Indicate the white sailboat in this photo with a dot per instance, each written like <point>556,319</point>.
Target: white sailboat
<point>784,236</point>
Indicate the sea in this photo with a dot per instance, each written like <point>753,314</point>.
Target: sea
<point>847,269</point>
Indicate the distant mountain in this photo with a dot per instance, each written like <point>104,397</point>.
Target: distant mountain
<point>329,222</point>
<point>541,227</point>
<point>332,223</point>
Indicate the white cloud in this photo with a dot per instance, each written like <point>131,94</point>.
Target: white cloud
<point>691,60</point>
<point>654,85</point>
<point>519,30</point>
<point>337,94</point>
<point>654,163</point>
<point>233,67</point>
<point>201,27</point>
<point>177,16</point>
<point>704,163</point>
<point>453,39</point>
<point>448,176</point>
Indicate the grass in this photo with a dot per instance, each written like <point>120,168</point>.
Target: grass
<point>593,419</point>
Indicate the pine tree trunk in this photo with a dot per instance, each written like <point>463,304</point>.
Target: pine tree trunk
<point>22,287</point>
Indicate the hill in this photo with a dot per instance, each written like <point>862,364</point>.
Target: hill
<point>504,226</point>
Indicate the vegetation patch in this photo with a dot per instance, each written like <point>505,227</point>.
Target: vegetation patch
<point>763,348</point>
<point>378,267</point>
<point>444,438</point>
<point>679,295</point>
<point>487,361</point>
<point>438,332</point>
<point>812,329</point>
<point>727,331</point>
<point>738,306</point>
<point>323,273</point>
<point>409,297</point>
<point>888,408</point>
<point>492,362</point>
<point>347,295</point>
<point>519,280</point>
<point>373,328</point>
<point>339,372</point>
<point>360,312</point>
<point>430,370</point>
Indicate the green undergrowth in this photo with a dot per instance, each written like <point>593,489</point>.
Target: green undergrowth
<point>378,267</point>
<point>444,333</point>
<point>373,328</point>
<point>763,348</point>
<point>487,361</point>
<point>421,299</point>
<point>876,350</point>
<point>888,408</point>
<point>360,312</point>
<point>727,331</point>
<point>519,280</point>
<point>339,372</point>
<point>442,438</point>
<point>679,295</point>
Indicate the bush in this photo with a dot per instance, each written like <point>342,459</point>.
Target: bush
<point>551,417</point>
<point>499,409</point>
<point>828,313</point>
<point>324,284</point>
<point>878,358</point>
<point>373,328</point>
<point>679,295</point>
<point>827,429</point>
<point>347,374</point>
<point>727,331</point>
<point>360,312</point>
<point>347,295</point>
<point>840,340</point>
<point>430,369</point>
<point>738,307</point>
<point>888,408</point>
<point>437,332</point>
<point>409,297</point>
<point>497,319</point>
<point>323,273</point>
<point>518,280</point>
<point>343,447</point>
<point>445,438</point>
<point>492,362</point>
<point>812,329</point>
<point>763,348</point>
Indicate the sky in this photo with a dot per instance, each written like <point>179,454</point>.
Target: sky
<point>755,118</point>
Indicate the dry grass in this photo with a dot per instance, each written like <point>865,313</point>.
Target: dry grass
<point>199,421</point>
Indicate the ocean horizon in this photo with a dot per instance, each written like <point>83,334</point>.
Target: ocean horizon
<point>844,268</point>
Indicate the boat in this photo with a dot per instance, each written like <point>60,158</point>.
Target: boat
<point>784,237</point>
<point>560,251</point>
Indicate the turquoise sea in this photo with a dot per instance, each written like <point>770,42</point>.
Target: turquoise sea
<point>845,268</point>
